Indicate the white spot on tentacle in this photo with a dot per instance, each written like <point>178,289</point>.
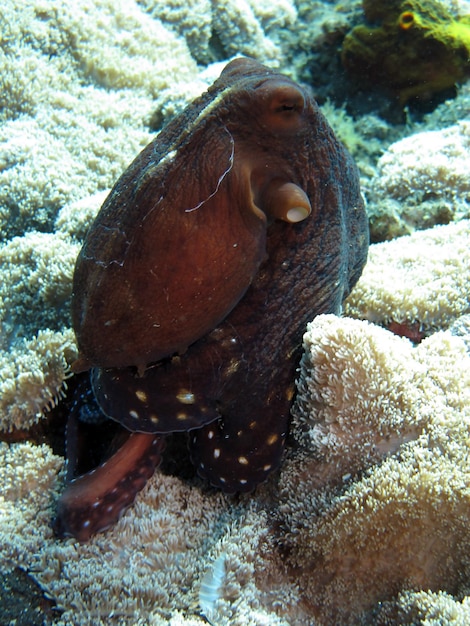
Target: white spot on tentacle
<point>185,397</point>
<point>141,395</point>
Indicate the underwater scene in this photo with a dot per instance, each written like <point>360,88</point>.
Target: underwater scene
<point>235,312</point>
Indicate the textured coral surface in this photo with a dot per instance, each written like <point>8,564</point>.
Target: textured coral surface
<point>367,521</point>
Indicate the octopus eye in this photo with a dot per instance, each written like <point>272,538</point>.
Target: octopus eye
<point>406,20</point>
<point>286,108</point>
<point>287,100</point>
<point>282,105</point>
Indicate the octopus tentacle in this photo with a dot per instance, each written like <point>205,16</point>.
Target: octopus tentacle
<point>96,500</point>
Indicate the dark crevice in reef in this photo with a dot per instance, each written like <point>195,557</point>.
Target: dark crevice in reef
<point>22,602</point>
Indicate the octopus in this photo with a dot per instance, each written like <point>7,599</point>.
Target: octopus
<point>236,225</point>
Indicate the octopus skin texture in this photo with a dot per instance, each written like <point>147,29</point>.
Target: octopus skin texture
<point>237,225</point>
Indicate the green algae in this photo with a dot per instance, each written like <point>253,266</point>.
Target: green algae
<point>412,48</point>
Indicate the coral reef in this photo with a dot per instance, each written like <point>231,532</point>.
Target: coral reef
<point>216,30</point>
<point>407,193</point>
<point>378,535</point>
<point>74,100</point>
<point>440,172</point>
<point>159,554</point>
<point>362,137</point>
<point>420,278</point>
<point>394,47</point>
<point>36,342</point>
<point>368,399</point>
<point>425,607</point>
<point>33,375</point>
<point>221,311</point>
<point>372,500</point>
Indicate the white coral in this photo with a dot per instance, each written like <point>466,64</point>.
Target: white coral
<point>363,391</point>
<point>33,375</point>
<point>440,170</point>
<point>420,278</point>
<point>421,181</point>
<point>36,343</point>
<point>375,495</point>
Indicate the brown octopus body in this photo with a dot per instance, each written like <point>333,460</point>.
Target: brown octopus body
<point>237,225</point>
